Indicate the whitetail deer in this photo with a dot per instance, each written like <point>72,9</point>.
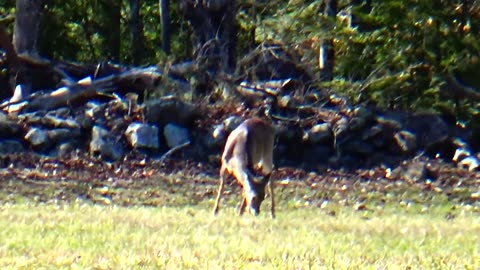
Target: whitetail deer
<point>249,151</point>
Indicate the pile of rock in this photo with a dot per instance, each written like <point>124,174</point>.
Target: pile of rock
<point>107,130</point>
<point>332,135</point>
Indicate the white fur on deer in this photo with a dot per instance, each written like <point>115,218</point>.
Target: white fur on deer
<point>248,152</point>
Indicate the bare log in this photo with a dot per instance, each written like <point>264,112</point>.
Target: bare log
<point>87,89</point>
<point>454,88</point>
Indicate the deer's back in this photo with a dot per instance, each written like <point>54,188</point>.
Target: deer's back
<point>250,146</point>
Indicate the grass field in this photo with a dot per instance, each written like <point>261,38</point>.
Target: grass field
<point>82,235</point>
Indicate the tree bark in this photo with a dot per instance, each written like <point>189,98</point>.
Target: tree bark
<point>111,11</point>
<point>327,49</point>
<point>165,14</point>
<point>27,25</point>
<point>25,36</point>
<point>214,32</point>
<point>457,90</point>
<point>136,29</point>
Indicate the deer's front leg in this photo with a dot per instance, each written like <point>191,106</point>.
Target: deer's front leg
<point>243,205</point>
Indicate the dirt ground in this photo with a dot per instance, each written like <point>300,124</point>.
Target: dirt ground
<point>179,182</point>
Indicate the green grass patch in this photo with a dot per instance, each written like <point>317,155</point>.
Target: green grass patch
<point>80,235</point>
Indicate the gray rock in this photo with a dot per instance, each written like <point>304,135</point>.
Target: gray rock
<point>38,139</point>
<point>9,128</point>
<point>103,143</point>
<point>117,126</point>
<point>215,137</point>
<point>363,112</point>
<point>289,133</point>
<point>406,141</point>
<point>230,123</point>
<point>63,112</point>
<point>317,154</point>
<point>84,121</point>
<point>415,172</point>
<point>97,113</point>
<point>361,117</point>
<point>11,147</point>
<point>64,150</point>
<point>175,135</point>
<point>319,133</point>
<point>141,135</point>
<point>428,127</point>
<point>358,147</point>
<point>59,135</point>
<point>381,134</point>
<point>356,123</point>
<point>218,132</point>
<point>170,110</point>
<point>372,132</point>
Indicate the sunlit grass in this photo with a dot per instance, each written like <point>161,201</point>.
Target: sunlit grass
<point>81,235</point>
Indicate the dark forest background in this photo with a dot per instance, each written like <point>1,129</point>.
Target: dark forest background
<point>392,54</point>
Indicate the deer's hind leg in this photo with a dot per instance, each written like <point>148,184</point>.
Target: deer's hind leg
<point>272,196</point>
<point>223,171</point>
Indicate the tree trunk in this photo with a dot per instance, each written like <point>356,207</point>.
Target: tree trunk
<point>27,25</point>
<point>214,32</point>
<point>111,16</point>
<point>25,36</point>
<point>165,14</point>
<point>136,28</point>
<point>327,50</point>
<point>12,63</point>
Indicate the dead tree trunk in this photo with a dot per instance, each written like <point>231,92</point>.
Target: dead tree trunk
<point>25,36</point>
<point>214,32</point>
<point>327,50</point>
<point>165,14</point>
<point>136,30</point>
<point>110,30</point>
<point>27,25</point>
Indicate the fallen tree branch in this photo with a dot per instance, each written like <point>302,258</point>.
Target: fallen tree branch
<point>86,89</point>
<point>454,88</point>
<point>173,150</point>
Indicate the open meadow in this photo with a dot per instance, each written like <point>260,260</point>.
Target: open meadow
<point>169,231</point>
